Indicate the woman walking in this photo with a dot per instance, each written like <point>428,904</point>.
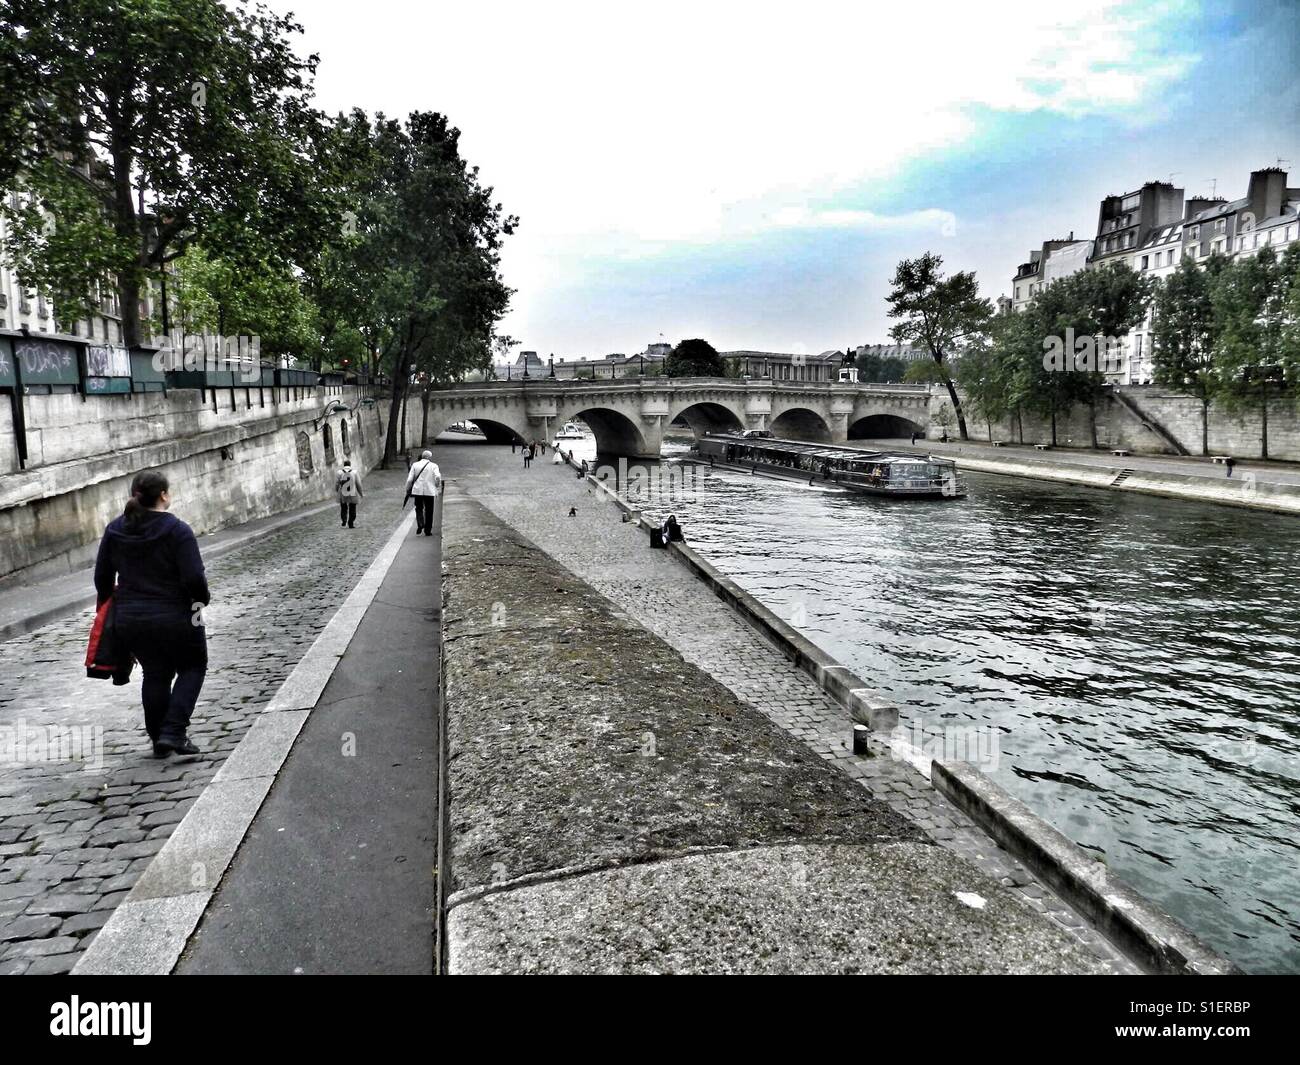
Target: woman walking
<point>149,563</point>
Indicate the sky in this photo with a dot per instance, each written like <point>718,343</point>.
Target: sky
<point>751,173</point>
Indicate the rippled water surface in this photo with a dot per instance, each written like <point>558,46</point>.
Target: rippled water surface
<point>1136,658</point>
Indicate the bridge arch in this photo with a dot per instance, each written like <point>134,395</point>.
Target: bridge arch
<point>800,423</point>
<point>709,417</point>
<point>494,432</point>
<point>615,432</point>
<point>884,427</point>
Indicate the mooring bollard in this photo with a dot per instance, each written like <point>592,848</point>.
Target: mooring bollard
<point>861,740</point>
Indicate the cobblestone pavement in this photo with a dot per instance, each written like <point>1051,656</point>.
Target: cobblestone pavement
<point>78,823</point>
<point>659,593</point>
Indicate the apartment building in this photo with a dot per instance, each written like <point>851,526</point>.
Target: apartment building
<point>1152,229</point>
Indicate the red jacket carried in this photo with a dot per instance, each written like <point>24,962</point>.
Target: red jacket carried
<point>104,658</point>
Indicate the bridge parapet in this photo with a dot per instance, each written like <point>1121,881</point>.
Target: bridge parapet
<point>628,415</point>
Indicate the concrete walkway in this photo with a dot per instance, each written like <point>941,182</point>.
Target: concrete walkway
<point>613,808</point>
<point>1287,473</point>
<point>335,874</point>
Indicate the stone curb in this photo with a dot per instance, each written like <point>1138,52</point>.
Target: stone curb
<point>70,605</point>
<point>1148,935</point>
<point>150,928</point>
<point>1152,938</point>
<point>1270,496</point>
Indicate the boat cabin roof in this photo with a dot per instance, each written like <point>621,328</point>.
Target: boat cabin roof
<point>826,451</point>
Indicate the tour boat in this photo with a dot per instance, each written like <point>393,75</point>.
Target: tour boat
<point>875,473</point>
<point>571,431</point>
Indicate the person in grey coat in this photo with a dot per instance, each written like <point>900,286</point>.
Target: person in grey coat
<point>347,486</point>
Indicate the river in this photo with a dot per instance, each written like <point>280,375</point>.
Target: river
<point>1134,658</point>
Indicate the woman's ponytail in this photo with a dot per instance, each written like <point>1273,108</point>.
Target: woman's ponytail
<point>146,489</point>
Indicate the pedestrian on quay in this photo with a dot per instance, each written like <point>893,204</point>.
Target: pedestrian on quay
<point>512,445</point>
<point>528,457</point>
<point>424,484</point>
<point>149,564</point>
<point>1229,462</point>
<point>914,440</point>
<point>347,486</point>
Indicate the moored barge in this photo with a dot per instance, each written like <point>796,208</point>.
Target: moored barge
<point>876,473</point>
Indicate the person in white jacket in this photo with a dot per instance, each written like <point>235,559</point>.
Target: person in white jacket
<point>424,482</point>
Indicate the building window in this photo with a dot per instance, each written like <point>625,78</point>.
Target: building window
<point>1146,262</point>
<point>1195,233</point>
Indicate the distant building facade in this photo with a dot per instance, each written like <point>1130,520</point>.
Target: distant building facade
<point>1151,230</point>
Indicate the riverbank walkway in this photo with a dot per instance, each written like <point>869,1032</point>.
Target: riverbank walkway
<point>1282,473</point>
<point>636,780</point>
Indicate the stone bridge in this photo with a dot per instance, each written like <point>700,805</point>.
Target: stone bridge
<point>629,415</point>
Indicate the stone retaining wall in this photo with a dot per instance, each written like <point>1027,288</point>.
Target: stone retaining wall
<point>225,466</point>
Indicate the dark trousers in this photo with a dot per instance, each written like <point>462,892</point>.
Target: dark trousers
<point>424,513</point>
<point>170,648</point>
<point>348,513</point>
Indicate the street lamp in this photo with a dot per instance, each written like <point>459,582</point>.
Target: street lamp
<point>552,362</point>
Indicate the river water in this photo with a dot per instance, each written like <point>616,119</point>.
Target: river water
<point>1126,665</point>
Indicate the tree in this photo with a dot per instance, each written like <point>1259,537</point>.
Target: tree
<point>882,369</point>
<point>429,254</point>
<point>1250,297</point>
<point>225,298</point>
<point>694,358</point>
<point>1184,333</point>
<point>142,128</point>
<point>1104,304</point>
<point>986,376</point>
<point>940,314</point>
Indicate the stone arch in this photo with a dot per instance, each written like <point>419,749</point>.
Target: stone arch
<point>800,423</point>
<point>494,432</point>
<point>709,417</point>
<point>884,427</point>
<point>616,434</point>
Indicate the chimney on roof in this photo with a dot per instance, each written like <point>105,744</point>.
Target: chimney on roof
<point>1266,192</point>
<point>1197,204</point>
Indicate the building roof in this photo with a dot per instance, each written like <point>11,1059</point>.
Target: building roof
<point>1227,207</point>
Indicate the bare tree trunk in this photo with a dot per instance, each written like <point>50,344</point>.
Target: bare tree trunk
<point>1263,409</point>
<point>396,410</point>
<point>956,406</point>
<point>1205,425</point>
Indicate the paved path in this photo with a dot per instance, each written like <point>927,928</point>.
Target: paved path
<point>659,593</point>
<point>1185,466</point>
<point>335,874</point>
<point>78,825</point>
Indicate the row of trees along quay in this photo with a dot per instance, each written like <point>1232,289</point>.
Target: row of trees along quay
<point>175,144</point>
<point>1226,331</point>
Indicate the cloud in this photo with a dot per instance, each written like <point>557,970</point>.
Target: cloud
<point>622,132</point>
<point>943,223</point>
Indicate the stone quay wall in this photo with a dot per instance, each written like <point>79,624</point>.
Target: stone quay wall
<point>1118,426</point>
<point>231,456</point>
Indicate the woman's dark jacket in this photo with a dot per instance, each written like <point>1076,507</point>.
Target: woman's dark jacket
<point>156,565</point>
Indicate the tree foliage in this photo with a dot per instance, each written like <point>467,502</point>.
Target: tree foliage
<point>940,314</point>
<point>142,128</point>
<point>694,358</point>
